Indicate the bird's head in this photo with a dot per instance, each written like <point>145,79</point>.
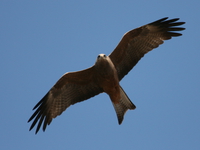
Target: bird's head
<point>101,56</point>
<point>104,64</point>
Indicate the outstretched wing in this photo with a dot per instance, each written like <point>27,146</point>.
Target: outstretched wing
<point>70,88</point>
<point>139,41</point>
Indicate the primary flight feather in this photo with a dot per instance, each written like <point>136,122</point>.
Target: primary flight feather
<point>105,74</point>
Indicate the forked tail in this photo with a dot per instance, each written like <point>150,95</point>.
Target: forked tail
<point>124,104</point>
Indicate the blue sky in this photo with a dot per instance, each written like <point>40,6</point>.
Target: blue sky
<point>41,40</point>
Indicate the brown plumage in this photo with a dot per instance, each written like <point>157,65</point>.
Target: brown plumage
<point>105,74</point>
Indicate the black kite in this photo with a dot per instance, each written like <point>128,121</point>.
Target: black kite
<point>105,74</point>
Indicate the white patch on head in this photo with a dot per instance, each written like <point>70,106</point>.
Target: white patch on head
<point>101,56</point>
<point>103,59</point>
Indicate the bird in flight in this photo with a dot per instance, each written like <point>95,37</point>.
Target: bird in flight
<point>105,74</point>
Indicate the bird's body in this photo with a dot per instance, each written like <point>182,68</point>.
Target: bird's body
<point>105,74</point>
<point>107,77</point>
<point>109,82</point>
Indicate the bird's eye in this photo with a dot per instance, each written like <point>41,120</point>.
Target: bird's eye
<point>98,56</point>
<point>104,55</point>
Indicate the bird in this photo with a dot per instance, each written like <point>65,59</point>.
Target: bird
<point>105,75</point>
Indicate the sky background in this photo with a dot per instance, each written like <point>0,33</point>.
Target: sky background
<point>41,40</point>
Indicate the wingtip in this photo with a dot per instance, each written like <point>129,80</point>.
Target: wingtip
<point>164,20</point>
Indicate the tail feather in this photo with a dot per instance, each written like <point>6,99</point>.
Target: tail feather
<point>124,104</point>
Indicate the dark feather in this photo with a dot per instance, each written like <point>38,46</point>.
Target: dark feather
<point>136,43</point>
<point>70,89</point>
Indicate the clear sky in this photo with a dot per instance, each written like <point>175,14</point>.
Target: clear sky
<point>41,40</point>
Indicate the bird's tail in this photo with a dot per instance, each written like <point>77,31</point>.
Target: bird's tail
<point>124,104</point>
